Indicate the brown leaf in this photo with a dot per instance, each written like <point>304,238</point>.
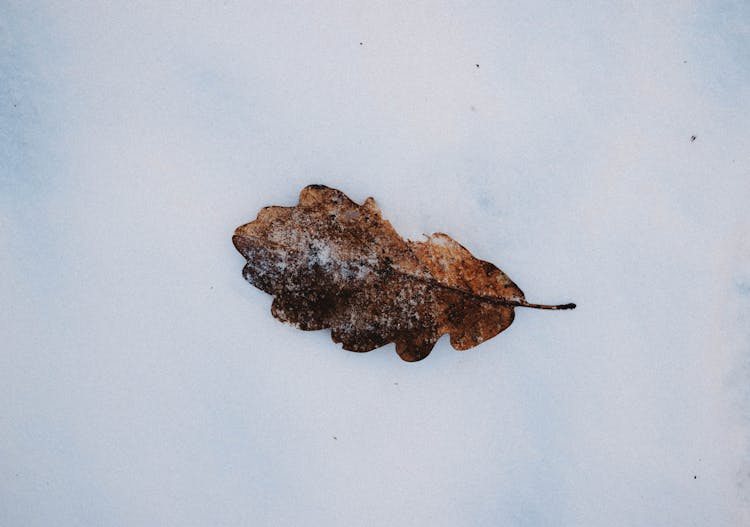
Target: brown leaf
<point>331,263</point>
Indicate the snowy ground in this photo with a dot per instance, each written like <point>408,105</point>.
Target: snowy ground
<point>143,382</point>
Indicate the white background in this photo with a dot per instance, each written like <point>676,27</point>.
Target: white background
<point>143,382</point>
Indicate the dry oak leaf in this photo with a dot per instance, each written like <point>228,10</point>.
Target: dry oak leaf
<point>331,263</point>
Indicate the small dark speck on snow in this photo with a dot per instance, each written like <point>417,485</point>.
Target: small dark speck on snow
<point>693,138</point>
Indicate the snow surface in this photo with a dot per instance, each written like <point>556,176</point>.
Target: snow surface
<point>143,382</point>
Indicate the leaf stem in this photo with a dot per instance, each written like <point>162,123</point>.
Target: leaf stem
<point>546,306</point>
<point>490,299</point>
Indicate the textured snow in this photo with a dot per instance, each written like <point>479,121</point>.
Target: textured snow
<point>144,382</point>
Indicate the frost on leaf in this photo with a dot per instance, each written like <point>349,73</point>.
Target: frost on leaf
<point>331,263</point>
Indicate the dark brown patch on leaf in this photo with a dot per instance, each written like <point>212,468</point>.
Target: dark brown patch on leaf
<point>331,263</point>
